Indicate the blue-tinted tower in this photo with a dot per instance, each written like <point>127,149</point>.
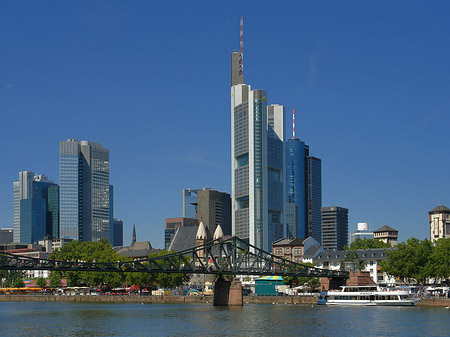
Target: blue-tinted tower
<point>295,188</point>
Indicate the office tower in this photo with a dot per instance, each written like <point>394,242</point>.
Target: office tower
<point>214,208</point>
<point>296,187</point>
<point>313,195</point>
<point>334,227</point>
<point>33,212</point>
<point>171,226</point>
<point>111,215</point>
<point>84,190</point>
<point>118,233</point>
<point>189,199</point>
<point>439,218</point>
<point>257,165</point>
<point>53,209</point>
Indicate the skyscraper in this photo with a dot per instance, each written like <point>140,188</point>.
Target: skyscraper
<point>84,190</point>
<point>334,227</point>
<point>314,196</point>
<point>33,212</point>
<point>257,162</point>
<point>189,199</point>
<point>304,190</point>
<point>214,208</point>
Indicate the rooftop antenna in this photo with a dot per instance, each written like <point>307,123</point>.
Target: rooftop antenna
<point>293,123</point>
<point>241,49</point>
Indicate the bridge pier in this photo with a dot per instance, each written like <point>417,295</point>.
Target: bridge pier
<point>228,293</point>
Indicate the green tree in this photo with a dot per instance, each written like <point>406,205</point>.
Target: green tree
<point>96,252</point>
<point>439,261</point>
<point>55,280</point>
<point>9,276</point>
<point>311,282</point>
<point>359,243</point>
<point>18,283</point>
<point>169,280</point>
<point>410,261</point>
<point>41,282</point>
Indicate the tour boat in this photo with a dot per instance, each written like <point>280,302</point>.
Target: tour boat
<point>367,295</point>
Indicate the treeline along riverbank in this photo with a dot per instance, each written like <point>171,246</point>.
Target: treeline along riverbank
<point>432,302</point>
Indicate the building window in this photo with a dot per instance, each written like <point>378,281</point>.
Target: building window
<point>287,250</point>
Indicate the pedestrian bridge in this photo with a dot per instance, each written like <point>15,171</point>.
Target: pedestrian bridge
<point>231,256</point>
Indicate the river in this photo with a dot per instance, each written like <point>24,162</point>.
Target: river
<point>129,319</point>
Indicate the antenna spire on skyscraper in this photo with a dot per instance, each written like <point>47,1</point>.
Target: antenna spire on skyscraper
<point>293,123</point>
<point>241,49</point>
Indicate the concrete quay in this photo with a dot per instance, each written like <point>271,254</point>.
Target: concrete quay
<point>426,302</point>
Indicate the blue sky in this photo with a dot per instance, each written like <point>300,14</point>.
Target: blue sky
<point>369,81</point>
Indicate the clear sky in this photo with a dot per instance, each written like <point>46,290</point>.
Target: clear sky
<point>150,80</point>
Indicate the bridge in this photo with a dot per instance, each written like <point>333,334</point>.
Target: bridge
<point>232,256</point>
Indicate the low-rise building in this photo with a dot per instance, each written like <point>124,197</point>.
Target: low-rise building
<point>371,258</point>
<point>294,249</point>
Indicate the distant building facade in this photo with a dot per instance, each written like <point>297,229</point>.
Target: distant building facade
<point>84,190</point>
<point>34,214</point>
<point>439,219</point>
<point>334,227</point>
<point>118,232</point>
<point>387,235</point>
<point>171,226</point>
<point>314,196</point>
<point>6,236</point>
<point>189,200</point>
<point>362,232</point>
<point>214,208</point>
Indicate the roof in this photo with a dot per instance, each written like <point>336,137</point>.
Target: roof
<point>137,249</point>
<point>311,251</point>
<point>288,242</point>
<point>440,209</point>
<point>201,232</point>
<point>363,254</point>
<point>386,229</point>
<point>184,238</point>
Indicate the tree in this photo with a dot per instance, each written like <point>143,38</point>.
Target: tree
<point>410,261</point>
<point>359,243</point>
<point>439,261</point>
<point>9,276</point>
<point>41,282</point>
<point>55,280</point>
<point>18,283</point>
<point>100,251</point>
<point>311,282</point>
<point>169,280</point>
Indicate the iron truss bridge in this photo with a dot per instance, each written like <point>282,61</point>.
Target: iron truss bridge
<point>232,256</point>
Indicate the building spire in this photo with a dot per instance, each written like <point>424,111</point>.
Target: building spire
<point>133,240</point>
<point>241,49</point>
<point>293,123</point>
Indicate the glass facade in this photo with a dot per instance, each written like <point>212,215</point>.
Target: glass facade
<point>314,197</point>
<point>295,187</point>
<point>111,215</point>
<point>53,210</point>
<point>258,123</point>
<point>84,190</point>
<point>118,232</point>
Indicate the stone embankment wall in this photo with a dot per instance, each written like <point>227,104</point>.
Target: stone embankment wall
<point>426,302</point>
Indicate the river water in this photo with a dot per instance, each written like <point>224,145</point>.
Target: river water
<point>86,319</point>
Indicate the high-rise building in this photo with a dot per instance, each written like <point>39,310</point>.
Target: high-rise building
<point>258,167</point>
<point>33,212</point>
<point>313,195</point>
<point>296,186</point>
<point>334,227</point>
<point>118,233</point>
<point>189,199</point>
<point>439,218</point>
<point>111,215</point>
<point>53,209</point>
<point>214,208</point>
<point>84,190</point>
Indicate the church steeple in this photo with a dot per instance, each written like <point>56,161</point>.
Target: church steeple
<point>133,240</point>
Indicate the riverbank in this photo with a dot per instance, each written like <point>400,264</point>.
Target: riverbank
<point>426,302</point>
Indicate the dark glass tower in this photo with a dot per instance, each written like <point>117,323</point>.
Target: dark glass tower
<point>314,196</point>
<point>295,187</point>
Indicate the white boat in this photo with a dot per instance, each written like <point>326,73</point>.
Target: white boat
<point>367,295</point>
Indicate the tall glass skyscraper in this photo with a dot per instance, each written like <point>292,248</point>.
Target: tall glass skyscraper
<point>33,211</point>
<point>84,190</point>
<point>296,188</point>
<point>314,196</point>
<point>258,167</point>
